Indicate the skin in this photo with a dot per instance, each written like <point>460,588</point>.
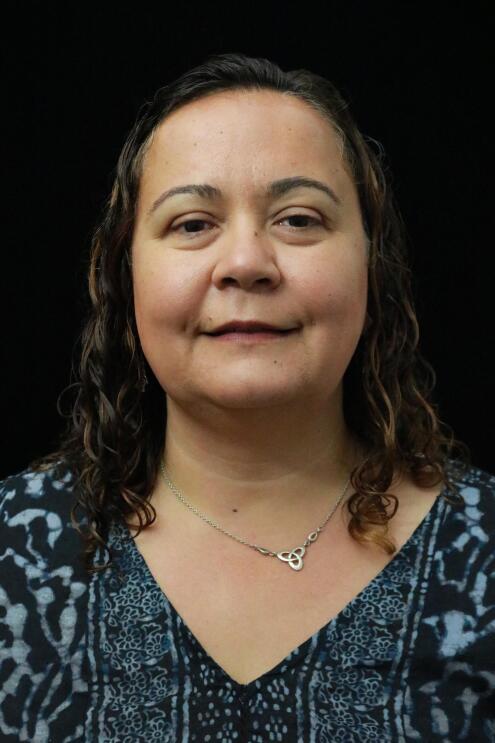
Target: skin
<point>255,434</point>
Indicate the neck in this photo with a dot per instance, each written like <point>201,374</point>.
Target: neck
<point>258,467</point>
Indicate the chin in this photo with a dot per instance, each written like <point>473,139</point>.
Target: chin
<point>252,397</point>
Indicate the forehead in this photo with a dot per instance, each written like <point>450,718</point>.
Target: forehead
<point>243,138</point>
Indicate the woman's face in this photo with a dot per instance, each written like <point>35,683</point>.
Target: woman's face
<point>242,248</point>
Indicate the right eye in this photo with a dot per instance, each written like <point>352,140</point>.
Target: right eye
<point>193,232</point>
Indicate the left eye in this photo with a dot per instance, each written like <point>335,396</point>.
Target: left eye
<point>298,217</point>
<point>312,220</point>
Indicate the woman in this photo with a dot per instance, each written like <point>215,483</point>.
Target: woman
<point>279,544</point>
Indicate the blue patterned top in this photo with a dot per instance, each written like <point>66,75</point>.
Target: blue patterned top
<point>107,659</point>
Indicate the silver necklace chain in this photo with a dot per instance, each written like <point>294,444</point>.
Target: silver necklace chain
<point>292,557</point>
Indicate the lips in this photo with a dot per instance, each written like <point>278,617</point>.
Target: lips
<point>253,331</point>
<point>251,326</point>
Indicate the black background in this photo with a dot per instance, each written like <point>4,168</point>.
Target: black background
<point>418,79</point>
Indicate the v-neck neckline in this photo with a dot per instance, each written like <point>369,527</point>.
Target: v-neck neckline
<point>122,532</point>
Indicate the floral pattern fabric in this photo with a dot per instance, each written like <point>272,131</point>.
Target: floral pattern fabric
<point>107,659</point>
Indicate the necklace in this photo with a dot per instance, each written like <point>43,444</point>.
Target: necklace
<point>293,557</point>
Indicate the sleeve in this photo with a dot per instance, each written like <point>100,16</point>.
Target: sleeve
<point>453,671</point>
<point>43,599</point>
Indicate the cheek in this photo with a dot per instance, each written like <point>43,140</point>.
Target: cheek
<point>337,294</point>
<point>164,298</point>
<point>164,307</point>
<point>339,302</point>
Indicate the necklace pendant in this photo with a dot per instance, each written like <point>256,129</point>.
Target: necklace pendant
<point>293,557</point>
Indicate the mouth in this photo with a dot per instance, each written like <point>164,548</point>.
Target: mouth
<point>251,336</point>
<point>250,331</point>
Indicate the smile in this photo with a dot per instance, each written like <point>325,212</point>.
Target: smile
<point>250,338</point>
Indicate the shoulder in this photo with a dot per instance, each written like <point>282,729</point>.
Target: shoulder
<point>475,510</point>
<point>462,551</point>
<point>34,489</point>
<point>472,477</point>
<point>452,606</point>
<point>46,605</point>
<point>35,509</point>
<point>34,482</point>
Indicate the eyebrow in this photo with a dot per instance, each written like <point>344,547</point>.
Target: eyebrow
<point>274,190</point>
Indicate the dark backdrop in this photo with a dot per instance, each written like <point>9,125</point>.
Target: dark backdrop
<point>76,76</point>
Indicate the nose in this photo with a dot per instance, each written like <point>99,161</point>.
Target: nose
<point>247,259</point>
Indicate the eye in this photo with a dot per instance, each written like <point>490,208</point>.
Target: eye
<point>313,222</point>
<point>177,227</point>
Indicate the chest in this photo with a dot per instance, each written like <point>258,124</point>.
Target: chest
<point>250,611</point>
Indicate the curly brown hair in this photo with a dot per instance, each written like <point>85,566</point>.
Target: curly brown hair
<point>114,436</point>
